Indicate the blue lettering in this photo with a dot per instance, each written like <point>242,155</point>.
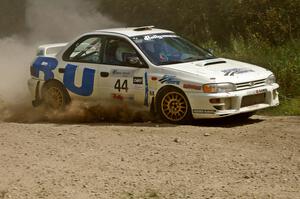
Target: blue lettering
<point>45,65</point>
<point>87,86</point>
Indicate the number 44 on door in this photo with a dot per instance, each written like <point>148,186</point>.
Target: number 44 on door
<point>121,86</point>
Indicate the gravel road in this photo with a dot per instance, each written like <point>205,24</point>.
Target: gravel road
<point>256,159</point>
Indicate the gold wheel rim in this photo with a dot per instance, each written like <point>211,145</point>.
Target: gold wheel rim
<point>54,98</point>
<point>174,106</point>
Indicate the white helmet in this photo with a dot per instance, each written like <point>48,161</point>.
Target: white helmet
<point>123,48</point>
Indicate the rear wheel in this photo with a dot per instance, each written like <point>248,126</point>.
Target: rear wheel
<point>55,96</point>
<point>173,106</point>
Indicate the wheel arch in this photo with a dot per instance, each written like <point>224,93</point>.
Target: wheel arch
<point>57,82</point>
<point>154,102</point>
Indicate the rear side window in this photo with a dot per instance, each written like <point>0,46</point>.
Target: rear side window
<point>86,50</point>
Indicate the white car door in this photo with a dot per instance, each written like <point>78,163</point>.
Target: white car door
<point>127,81</point>
<point>83,73</point>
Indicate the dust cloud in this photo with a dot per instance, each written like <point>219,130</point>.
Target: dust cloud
<point>61,20</point>
<point>78,112</point>
<point>49,22</point>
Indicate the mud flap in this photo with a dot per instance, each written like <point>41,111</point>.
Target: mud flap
<point>37,102</point>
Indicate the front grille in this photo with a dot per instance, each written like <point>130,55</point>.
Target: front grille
<point>249,85</point>
<point>253,100</point>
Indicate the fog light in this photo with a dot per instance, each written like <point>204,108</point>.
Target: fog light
<point>220,108</point>
<point>215,101</point>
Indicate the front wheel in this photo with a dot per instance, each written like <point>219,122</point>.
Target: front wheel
<point>55,96</point>
<point>173,106</point>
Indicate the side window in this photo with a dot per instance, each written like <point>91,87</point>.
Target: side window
<point>118,51</point>
<point>87,50</point>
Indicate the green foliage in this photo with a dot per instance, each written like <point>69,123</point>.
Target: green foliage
<point>288,107</point>
<point>274,21</point>
<point>283,60</point>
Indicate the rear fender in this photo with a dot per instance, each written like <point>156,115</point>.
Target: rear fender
<point>50,49</point>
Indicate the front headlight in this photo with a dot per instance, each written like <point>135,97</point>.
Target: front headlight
<point>271,80</point>
<point>218,88</point>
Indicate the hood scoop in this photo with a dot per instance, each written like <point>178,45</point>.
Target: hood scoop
<point>214,63</point>
<point>211,62</point>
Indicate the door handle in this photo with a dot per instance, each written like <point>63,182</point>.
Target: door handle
<point>104,74</point>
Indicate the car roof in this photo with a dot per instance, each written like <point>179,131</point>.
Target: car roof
<point>135,31</point>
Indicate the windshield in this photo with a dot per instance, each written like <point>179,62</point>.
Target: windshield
<point>163,49</point>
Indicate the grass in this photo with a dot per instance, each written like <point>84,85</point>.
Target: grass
<point>288,107</point>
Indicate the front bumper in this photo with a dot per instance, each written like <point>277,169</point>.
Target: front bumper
<point>232,103</point>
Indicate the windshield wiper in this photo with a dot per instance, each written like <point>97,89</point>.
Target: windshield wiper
<point>192,59</point>
<point>211,58</point>
<point>197,58</point>
<point>171,62</point>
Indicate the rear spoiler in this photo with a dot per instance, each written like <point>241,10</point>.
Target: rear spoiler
<point>50,49</point>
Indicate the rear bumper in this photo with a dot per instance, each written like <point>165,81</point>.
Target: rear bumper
<point>233,103</point>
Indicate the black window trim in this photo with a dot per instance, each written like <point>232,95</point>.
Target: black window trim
<point>145,65</point>
<point>170,33</point>
<point>67,53</point>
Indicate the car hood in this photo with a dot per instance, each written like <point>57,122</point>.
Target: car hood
<point>222,70</point>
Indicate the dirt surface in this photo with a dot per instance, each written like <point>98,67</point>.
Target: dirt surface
<point>256,159</point>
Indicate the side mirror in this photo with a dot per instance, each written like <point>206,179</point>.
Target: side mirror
<point>211,51</point>
<point>134,61</point>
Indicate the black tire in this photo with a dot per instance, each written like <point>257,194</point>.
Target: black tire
<point>55,96</point>
<point>173,106</point>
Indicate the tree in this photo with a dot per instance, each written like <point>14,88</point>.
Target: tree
<point>274,21</point>
<point>12,17</point>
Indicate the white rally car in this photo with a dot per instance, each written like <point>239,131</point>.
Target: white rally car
<point>151,68</point>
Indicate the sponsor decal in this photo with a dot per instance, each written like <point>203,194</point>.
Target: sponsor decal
<point>121,73</point>
<point>154,84</point>
<point>261,91</point>
<point>87,85</point>
<point>169,79</point>
<point>233,71</point>
<point>146,100</point>
<point>138,80</point>
<point>203,111</point>
<point>138,86</point>
<point>192,86</point>
<point>117,96</point>
<point>153,37</point>
<point>154,78</point>
<point>45,65</point>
